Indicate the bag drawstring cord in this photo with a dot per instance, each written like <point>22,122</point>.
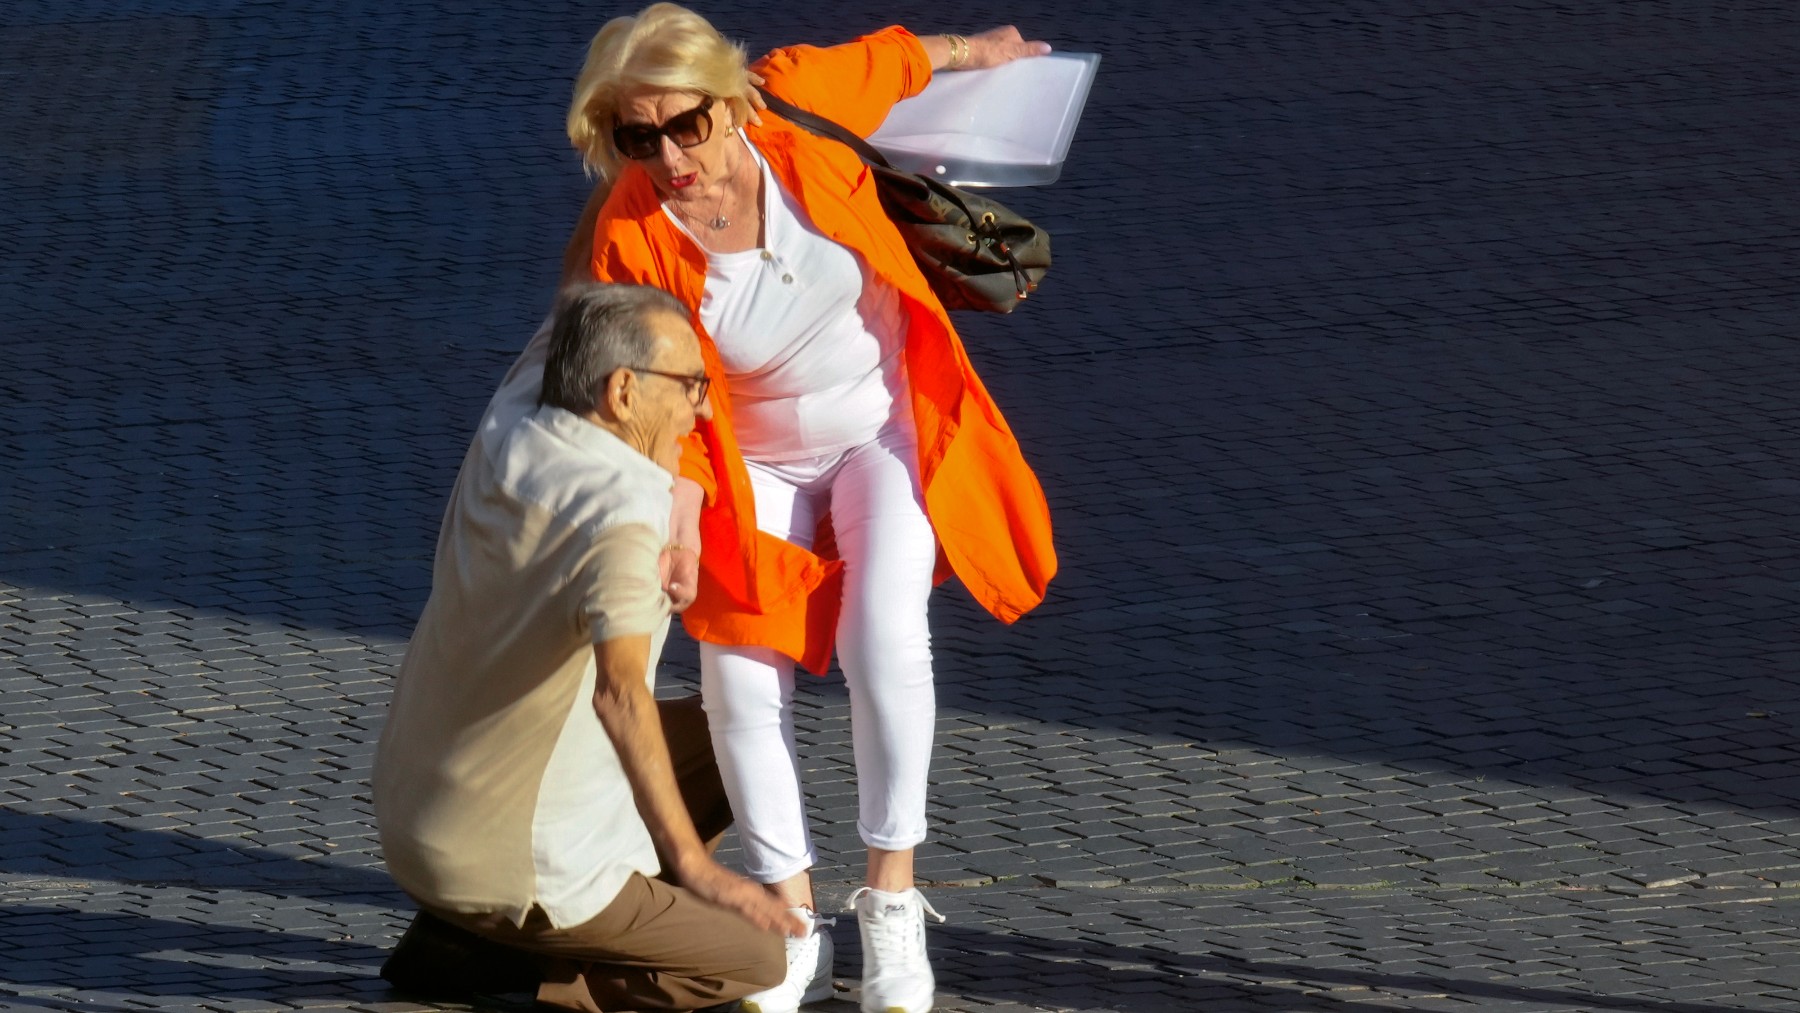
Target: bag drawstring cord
<point>991,232</point>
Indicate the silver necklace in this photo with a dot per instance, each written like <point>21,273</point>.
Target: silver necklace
<point>718,220</point>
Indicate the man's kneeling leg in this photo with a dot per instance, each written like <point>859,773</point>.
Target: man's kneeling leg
<point>655,947</point>
<point>436,958</point>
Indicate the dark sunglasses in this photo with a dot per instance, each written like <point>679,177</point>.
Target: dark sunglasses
<point>642,140</point>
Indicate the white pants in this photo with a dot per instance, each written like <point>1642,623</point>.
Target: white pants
<point>883,646</point>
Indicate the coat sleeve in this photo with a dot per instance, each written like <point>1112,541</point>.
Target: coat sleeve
<point>854,84</point>
<point>696,464</point>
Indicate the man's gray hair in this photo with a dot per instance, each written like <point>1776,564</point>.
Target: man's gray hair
<point>598,328</point>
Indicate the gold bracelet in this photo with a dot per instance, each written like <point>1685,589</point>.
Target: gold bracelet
<point>959,51</point>
<point>678,547</point>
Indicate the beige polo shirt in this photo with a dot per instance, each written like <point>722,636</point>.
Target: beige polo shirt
<point>496,787</point>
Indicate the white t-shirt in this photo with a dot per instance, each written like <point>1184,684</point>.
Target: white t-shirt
<point>811,340</point>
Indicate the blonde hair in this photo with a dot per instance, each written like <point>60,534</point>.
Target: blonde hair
<point>665,46</point>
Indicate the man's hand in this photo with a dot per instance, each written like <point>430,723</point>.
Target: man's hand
<point>719,886</point>
<point>629,714</point>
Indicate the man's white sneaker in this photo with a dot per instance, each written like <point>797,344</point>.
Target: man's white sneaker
<point>808,970</point>
<point>896,973</point>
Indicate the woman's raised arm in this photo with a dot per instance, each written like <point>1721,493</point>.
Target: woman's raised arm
<point>978,52</point>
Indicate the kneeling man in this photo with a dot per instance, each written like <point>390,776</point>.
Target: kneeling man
<point>530,790</point>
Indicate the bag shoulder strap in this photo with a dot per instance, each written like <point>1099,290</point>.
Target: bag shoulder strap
<point>833,131</point>
<point>825,128</point>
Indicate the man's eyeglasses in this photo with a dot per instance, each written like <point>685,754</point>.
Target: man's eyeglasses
<point>694,386</point>
<point>643,140</point>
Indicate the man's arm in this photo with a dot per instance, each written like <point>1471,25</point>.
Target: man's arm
<point>628,713</point>
<point>578,256</point>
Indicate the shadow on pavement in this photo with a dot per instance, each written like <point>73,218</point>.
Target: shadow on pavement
<point>1061,974</point>
<point>109,951</point>
<point>51,846</point>
<point>165,957</point>
<point>1688,715</point>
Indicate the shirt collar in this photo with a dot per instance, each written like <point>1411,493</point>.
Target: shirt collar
<point>592,439</point>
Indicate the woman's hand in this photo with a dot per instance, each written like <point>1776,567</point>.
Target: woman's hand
<point>757,105</point>
<point>997,46</point>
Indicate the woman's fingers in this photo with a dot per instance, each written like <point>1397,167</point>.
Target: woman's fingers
<point>757,105</point>
<point>1001,45</point>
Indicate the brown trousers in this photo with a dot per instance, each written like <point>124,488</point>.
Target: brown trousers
<point>656,946</point>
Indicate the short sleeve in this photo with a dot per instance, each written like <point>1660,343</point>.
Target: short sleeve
<point>623,593</point>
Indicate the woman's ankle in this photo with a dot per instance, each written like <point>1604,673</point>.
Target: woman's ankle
<point>890,871</point>
<point>795,891</point>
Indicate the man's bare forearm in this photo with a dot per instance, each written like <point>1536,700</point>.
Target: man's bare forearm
<point>628,712</point>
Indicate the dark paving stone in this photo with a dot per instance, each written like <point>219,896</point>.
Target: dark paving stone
<point>1412,392</point>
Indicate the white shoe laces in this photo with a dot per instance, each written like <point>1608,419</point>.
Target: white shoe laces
<point>896,939</point>
<point>923,903</point>
<point>802,956</point>
<point>799,944</point>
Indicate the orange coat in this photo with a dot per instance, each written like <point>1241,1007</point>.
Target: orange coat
<point>992,523</point>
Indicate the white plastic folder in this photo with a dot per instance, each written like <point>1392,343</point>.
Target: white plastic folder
<point>1007,126</point>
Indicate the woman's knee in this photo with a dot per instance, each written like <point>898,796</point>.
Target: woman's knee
<point>744,687</point>
<point>888,657</point>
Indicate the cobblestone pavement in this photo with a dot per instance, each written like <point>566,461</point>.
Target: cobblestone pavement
<point>1414,392</point>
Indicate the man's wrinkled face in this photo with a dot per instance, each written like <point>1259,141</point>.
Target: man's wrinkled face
<point>671,389</point>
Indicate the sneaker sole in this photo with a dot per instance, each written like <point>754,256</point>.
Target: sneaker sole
<point>818,993</point>
<point>928,1004</point>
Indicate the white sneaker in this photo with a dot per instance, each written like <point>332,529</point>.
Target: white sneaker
<point>808,970</point>
<point>896,974</point>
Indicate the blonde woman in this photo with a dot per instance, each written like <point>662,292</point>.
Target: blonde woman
<point>853,459</point>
